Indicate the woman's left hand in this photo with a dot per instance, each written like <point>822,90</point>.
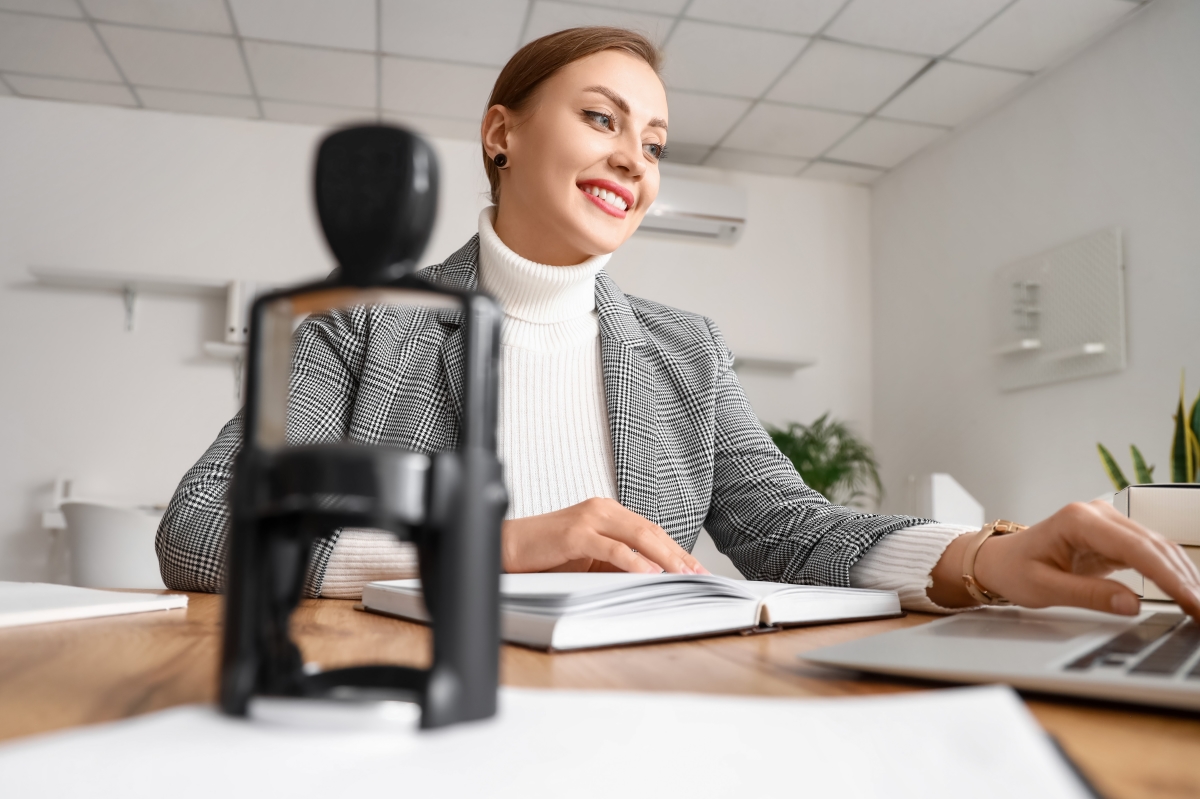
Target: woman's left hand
<point>1064,559</point>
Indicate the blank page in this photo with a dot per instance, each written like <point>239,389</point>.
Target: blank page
<point>577,744</point>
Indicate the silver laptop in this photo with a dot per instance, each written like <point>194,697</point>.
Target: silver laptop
<point>1151,659</point>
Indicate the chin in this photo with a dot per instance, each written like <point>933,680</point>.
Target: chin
<point>598,239</point>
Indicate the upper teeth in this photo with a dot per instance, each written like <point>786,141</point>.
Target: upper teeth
<point>607,196</point>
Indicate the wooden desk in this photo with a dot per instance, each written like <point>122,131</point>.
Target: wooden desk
<point>61,675</point>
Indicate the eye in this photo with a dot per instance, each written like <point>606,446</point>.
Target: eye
<point>600,118</point>
<point>655,150</point>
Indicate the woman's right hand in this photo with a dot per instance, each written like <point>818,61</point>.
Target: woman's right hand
<point>595,535</point>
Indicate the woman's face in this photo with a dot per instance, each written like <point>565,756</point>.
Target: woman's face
<point>582,159</point>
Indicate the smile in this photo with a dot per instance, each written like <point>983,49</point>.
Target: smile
<point>610,198</point>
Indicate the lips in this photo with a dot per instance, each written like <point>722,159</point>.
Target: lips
<point>612,198</point>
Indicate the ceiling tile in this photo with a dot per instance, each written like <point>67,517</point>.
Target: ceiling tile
<point>754,162</point>
<point>432,89</point>
<point>439,127</point>
<point>55,8</point>
<point>78,91</point>
<point>786,16</point>
<point>845,78</point>
<point>930,27</point>
<point>331,77</point>
<point>473,31</point>
<point>198,103</point>
<point>58,47</point>
<point>684,153</point>
<point>548,17</point>
<point>700,118</point>
<point>842,173</point>
<point>784,130</point>
<point>951,93</point>
<point>170,60</point>
<point>203,16</point>
<point>723,60</point>
<point>670,7</point>
<point>883,143</point>
<point>1032,34</point>
<point>307,114</point>
<point>349,24</point>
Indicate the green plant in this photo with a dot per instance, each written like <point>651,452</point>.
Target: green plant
<point>832,459</point>
<point>1185,450</point>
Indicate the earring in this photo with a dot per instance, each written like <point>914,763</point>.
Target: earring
<point>500,160</point>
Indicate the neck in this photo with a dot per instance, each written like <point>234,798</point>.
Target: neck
<point>530,291</point>
<point>532,242</point>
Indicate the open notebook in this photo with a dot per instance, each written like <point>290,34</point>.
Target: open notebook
<point>580,610</point>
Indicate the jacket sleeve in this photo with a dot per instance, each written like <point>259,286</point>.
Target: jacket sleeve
<point>191,540</point>
<point>762,515</point>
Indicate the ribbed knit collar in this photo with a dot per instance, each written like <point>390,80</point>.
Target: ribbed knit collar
<point>531,291</point>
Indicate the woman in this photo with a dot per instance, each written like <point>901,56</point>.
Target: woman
<point>623,428</point>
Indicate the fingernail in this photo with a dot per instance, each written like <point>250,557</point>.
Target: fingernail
<point>1126,604</point>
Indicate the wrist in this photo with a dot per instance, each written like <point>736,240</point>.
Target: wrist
<point>948,590</point>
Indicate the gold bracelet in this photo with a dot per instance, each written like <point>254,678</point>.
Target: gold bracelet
<point>977,591</point>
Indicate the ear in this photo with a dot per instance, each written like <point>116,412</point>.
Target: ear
<point>497,124</point>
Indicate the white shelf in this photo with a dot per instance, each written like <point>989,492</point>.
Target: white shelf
<point>779,366</point>
<point>67,277</point>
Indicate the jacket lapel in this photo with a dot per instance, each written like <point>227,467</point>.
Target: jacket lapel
<point>459,271</point>
<point>630,393</point>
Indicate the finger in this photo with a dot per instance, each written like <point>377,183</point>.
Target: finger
<point>1117,539</point>
<point>1096,593</point>
<point>600,547</point>
<point>650,540</point>
<point>1168,548</point>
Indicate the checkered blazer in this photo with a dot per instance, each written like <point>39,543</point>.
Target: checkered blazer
<point>689,451</point>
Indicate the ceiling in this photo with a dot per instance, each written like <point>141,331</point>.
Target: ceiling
<point>829,89</point>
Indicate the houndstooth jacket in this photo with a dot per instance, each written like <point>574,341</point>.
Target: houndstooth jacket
<point>689,451</point>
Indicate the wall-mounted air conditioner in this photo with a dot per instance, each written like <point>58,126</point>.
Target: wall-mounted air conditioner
<point>697,209</point>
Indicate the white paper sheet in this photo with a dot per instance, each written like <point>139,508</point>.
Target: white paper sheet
<point>574,744</point>
<point>36,603</point>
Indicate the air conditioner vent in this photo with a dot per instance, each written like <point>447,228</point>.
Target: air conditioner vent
<point>698,210</point>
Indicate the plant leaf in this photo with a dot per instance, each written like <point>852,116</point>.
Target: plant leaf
<point>1194,450</point>
<point>1144,474</point>
<point>831,459</point>
<point>1111,467</point>
<point>1194,415</point>
<point>1180,451</point>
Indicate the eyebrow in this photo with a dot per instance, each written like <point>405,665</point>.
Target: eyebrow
<point>619,102</point>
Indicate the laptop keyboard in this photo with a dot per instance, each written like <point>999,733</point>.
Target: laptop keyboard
<point>1182,642</point>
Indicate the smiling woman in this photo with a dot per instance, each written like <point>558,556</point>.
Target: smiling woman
<point>622,427</point>
<point>596,89</point>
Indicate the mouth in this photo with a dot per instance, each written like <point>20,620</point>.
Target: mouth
<point>612,198</point>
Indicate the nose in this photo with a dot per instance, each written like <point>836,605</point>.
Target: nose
<point>627,154</point>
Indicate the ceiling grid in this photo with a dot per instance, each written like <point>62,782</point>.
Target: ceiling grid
<point>828,89</point>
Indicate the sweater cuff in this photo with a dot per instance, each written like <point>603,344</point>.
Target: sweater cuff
<point>363,556</point>
<point>903,562</point>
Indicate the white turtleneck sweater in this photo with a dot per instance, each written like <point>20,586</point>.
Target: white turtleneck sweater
<point>553,433</point>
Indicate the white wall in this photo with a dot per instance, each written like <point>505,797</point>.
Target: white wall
<point>125,414</point>
<point>1108,139</point>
